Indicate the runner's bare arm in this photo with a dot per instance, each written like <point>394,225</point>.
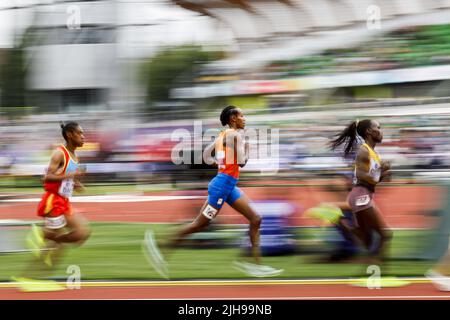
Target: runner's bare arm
<point>208,154</point>
<point>246,152</point>
<point>385,165</point>
<point>56,161</point>
<point>241,148</point>
<point>386,173</point>
<point>78,186</point>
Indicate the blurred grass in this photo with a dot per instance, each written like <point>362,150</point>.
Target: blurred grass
<point>93,190</point>
<point>114,252</point>
<point>23,188</point>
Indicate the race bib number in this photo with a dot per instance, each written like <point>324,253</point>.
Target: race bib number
<point>375,171</point>
<point>377,176</point>
<point>363,200</point>
<point>209,212</point>
<point>55,222</point>
<point>66,188</point>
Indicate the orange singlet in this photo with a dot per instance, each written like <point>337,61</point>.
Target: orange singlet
<point>223,155</point>
<point>55,201</point>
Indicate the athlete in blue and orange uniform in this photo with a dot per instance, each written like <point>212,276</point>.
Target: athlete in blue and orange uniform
<point>231,153</point>
<point>61,225</point>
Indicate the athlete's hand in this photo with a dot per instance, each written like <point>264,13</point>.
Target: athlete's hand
<point>71,175</point>
<point>386,176</point>
<point>74,174</point>
<point>215,164</point>
<point>78,186</point>
<point>385,166</point>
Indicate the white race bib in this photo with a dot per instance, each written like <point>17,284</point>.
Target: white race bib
<point>363,200</point>
<point>66,188</point>
<point>210,212</point>
<point>55,222</point>
<point>375,170</point>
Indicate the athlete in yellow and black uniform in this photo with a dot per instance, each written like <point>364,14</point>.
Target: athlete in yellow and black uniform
<point>369,171</point>
<point>359,199</point>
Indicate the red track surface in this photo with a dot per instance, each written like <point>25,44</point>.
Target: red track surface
<point>273,291</point>
<point>402,207</point>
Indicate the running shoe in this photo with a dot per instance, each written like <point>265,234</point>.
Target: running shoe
<point>440,281</point>
<point>153,255</point>
<point>257,270</point>
<point>35,240</point>
<point>326,213</point>
<point>32,285</point>
<point>48,258</point>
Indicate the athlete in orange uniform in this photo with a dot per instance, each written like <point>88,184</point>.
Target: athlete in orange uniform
<point>61,224</point>
<point>55,202</point>
<point>60,181</point>
<point>231,153</point>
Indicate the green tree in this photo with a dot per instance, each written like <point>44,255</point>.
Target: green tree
<point>13,74</point>
<point>12,81</point>
<point>172,67</point>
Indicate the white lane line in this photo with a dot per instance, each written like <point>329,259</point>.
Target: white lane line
<point>306,298</point>
<point>111,199</point>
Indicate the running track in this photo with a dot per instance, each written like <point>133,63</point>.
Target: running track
<point>219,290</point>
<point>402,207</point>
<point>169,208</point>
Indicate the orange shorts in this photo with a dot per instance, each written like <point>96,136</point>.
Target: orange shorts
<point>54,205</point>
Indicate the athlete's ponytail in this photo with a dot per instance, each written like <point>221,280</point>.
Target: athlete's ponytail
<point>349,136</point>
